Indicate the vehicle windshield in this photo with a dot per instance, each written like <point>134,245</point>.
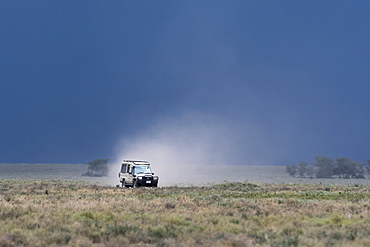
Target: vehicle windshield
<point>143,169</point>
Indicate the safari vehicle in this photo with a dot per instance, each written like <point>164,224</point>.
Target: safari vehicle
<point>136,173</point>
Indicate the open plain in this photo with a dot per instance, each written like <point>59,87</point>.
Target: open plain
<point>57,209</point>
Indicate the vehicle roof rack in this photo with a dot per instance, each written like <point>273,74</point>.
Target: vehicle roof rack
<point>136,161</point>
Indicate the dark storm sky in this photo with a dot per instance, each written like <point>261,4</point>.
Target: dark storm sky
<point>78,77</point>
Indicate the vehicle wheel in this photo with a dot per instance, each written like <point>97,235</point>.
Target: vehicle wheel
<point>134,184</point>
<point>124,183</point>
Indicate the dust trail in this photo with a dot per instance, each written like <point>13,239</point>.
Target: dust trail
<point>177,147</point>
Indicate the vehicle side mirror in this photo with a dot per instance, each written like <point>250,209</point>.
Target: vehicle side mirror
<point>153,173</point>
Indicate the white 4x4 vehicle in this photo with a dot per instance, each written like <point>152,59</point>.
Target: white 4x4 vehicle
<point>136,173</point>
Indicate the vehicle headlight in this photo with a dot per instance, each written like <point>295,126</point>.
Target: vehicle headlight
<point>155,178</point>
<point>140,178</point>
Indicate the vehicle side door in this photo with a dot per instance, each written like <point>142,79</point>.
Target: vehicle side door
<point>122,172</point>
<point>129,175</point>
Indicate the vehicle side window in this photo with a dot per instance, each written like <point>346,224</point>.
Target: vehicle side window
<point>124,168</point>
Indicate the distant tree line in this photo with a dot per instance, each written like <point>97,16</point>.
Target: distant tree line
<point>325,167</point>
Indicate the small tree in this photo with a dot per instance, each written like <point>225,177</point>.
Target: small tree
<point>343,168</point>
<point>302,169</point>
<point>311,172</point>
<point>292,170</point>
<point>325,167</point>
<point>346,168</point>
<point>359,170</point>
<point>97,168</point>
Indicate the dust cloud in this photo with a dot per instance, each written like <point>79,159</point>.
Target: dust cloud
<point>178,147</point>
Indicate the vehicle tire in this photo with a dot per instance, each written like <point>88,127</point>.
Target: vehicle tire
<point>124,183</point>
<point>134,184</point>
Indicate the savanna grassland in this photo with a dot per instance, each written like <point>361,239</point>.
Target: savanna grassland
<point>61,213</point>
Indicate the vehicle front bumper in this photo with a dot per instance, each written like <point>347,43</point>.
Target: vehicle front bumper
<point>147,181</point>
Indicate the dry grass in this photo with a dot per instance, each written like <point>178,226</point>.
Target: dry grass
<point>57,213</point>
